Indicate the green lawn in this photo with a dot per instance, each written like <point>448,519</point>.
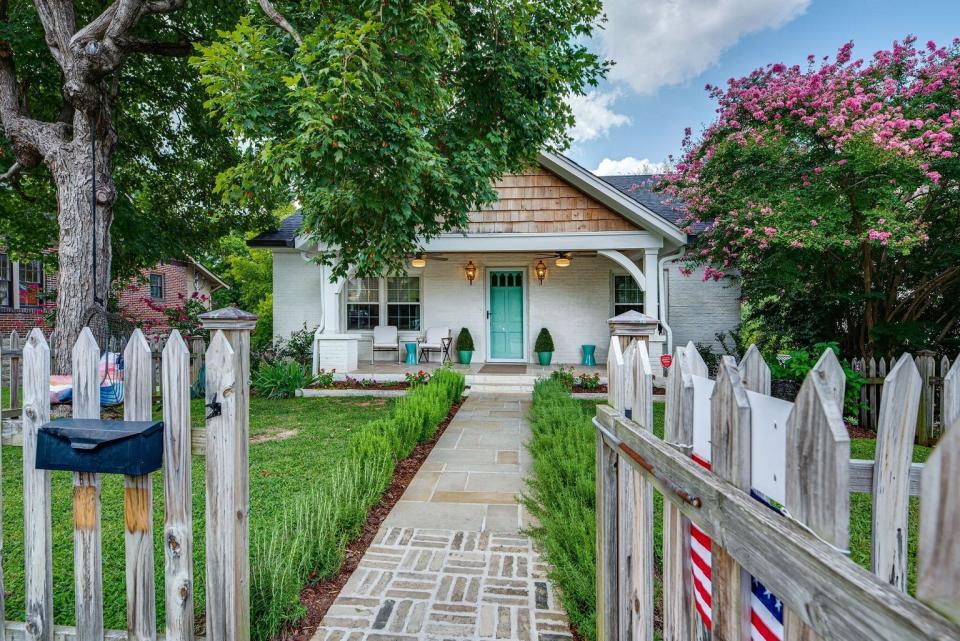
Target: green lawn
<point>562,498</point>
<point>280,471</point>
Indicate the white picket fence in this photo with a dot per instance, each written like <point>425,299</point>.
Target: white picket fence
<point>728,437</point>
<point>227,494</point>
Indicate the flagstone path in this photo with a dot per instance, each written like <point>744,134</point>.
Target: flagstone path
<point>449,562</point>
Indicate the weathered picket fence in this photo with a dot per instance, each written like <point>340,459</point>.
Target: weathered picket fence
<point>11,357</point>
<point>227,493</point>
<point>933,371</point>
<point>195,346</point>
<point>727,438</point>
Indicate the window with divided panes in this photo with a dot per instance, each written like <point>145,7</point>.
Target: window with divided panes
<point>31,283</point>
<point>392,301</point>
<point>627,295</point>
<point>6,281</point>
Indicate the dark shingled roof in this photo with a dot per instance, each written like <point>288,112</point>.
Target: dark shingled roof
<point>638,187</point>
<point>282,237</point>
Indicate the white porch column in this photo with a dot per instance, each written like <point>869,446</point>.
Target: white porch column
<point>330,293</point>
<point>651,297</point>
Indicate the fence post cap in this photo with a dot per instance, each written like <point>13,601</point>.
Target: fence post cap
<point>633,323</point>
<point>228,318</point>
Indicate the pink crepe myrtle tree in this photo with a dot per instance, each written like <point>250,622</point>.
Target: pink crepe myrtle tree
<point>831,191</point>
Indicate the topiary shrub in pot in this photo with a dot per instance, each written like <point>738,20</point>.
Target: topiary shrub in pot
<point>544,346</point>
<point>465,346</point>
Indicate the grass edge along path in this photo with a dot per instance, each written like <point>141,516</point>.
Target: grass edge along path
<point>562,498</point>
<point>312,532</point>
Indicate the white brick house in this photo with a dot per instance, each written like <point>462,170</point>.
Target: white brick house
<point>607,245</point>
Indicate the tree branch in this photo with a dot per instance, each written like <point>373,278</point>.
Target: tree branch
<point>280,21</point>
<point>10,173</point>
<point>174,49</point>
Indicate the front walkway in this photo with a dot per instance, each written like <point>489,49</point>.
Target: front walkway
<point>449,562</point>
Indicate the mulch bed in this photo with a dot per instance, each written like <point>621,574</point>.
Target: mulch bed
<point>387,385</point>
<point>318,597</point>
<point>855,431</point>
<point>578,389</point>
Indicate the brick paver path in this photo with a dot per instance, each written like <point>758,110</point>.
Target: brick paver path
<point>450,562</point>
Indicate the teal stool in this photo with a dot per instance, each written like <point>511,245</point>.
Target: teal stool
<point>411,354</point>
<point>588,354</point>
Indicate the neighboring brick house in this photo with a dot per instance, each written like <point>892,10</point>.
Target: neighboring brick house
<point>23,289</point>
<point>26,286</point>
<point>163,285</point>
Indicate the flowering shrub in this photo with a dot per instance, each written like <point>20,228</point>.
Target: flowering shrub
<point>832,191</point>
<point>324,379</point>
<point>183,316</point>
<point>414,380</point>
<point>563,376</point>
<point>589,381</point>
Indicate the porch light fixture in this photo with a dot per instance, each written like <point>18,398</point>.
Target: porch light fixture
<point>418,261</point>
<point>540,269</point>
<point>471,271</point>
<point>563,261</point>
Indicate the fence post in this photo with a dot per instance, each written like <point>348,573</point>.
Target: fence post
<point>891,476</point>
<point>606,491</point>
<point>730,460</point>
<point>938,549</point>
<point>228,490</point>
<point>678,428</point>
<point>37,526</point>
<point>177,490</point>
<point>138,498</point>
<point>635,509</point>
<point>950,399</point>
<point>14,371</point>
<point>87,561</point>
<point>817,475</point>
<point>927,368</point>
<point>754,372</point>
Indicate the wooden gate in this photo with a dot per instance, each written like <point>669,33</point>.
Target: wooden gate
<point>796,458</point>
<point>227,495</point>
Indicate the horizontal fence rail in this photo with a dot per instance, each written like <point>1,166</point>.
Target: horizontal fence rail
<point>756,502</point>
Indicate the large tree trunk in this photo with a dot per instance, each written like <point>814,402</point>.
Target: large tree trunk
<point>79,291</point>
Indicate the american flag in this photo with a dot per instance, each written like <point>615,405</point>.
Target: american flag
<point>766,611</point>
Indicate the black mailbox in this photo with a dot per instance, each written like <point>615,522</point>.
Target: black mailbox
<point>109,447</point>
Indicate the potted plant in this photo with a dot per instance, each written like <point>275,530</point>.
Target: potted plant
<point>465,346</point>
<point>544,347</point>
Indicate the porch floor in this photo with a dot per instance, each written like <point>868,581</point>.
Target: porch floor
<point>392,368</point>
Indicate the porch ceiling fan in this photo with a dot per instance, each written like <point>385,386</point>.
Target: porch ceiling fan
<point>563,259</point>
<point>419,259</point>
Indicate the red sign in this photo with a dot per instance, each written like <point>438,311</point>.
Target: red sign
<point>666,360</point>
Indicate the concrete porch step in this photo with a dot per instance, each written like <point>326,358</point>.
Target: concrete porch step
<point>500,389</point>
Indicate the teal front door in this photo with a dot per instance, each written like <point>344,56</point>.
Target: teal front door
<point>506,315</point>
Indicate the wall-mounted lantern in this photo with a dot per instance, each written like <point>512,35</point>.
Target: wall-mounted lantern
<point>470,270</point>
<point>540,269</point>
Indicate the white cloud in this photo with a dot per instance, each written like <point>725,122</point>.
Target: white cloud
<point>656,43</point>
<point>594,115</point>
<point>629,166</point>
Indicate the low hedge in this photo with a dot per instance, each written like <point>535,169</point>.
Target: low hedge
<point>312,530</point>
<point>562,498</point>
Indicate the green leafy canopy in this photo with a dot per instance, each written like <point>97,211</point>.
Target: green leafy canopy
<point>390,120</point>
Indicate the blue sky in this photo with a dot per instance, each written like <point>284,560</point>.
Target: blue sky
<point>667,50</point>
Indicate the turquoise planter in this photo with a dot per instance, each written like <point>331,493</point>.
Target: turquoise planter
<point>465,357</point>
<point>588,354</point>
<point>545,358</point>
<point>411,354</point>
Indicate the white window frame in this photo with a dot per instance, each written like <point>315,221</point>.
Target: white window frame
<point>163,286</point>
<point>383,304</point>
<point>613,292</point>
<point>11,282</point>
